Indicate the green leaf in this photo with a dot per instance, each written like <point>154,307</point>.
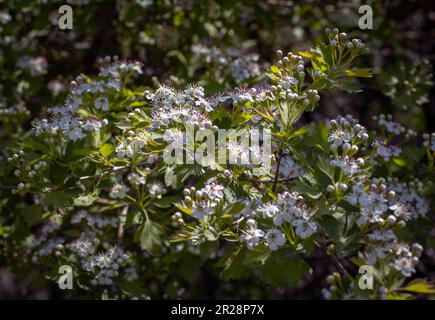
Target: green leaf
<point>210,235</point>
<point>106,150</point>
<point>57,199</point>
<point>329,225</point>
<point>80,153</point>
<point>72,233</point>
<point>359,72</point>
<point>274,69</point>
<point>232,262</point>
<point>306,54</point>
<point>233,209</point>
<point>165,202</point>
<point>149,235</point>
<point>188,268</point>
<point>58,173</point>
<point>347,85</point>
<point>171,178</point>
<point>419,286</point>
<point>36,144</point>
<point>307,190</point>
<point>280,271</point>
<point>131,288</point>
<point>32,214</point>
<point>84,201</point>
<point>400,161</point>
<point>183,209</point>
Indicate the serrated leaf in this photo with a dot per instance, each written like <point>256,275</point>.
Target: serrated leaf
<point>419,286</point>
<point>57,199</point>
<point>165,202</point>
<point>232,263</point>
<point>235,208</point>
<point>149,235</point>
<point>106,150</point>
<point>274,69</point>
<point>280,271</point>
<point>84,201</point>
<point>183,209</point>
<point>131,288</point>
<point>359,72</point>
<point>58,173</point>
<point>307,190</point>
<point>32,214</point>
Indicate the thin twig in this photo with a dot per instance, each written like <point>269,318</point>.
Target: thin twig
<point>278,162</point>
<point>121,224</point>
<point>114,169</point>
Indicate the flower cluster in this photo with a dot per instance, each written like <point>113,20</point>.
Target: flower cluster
<point>346,133</point>
<point>386,122</point>
<point>188,106</point>
<point>289,167</point>
<point>102,266</point>
<point>341,41</point>
<point>241,65</point>
<point>203,201</point>
<point>86,92</point>
<point>36,66</point>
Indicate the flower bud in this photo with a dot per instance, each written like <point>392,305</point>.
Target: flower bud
<point>251,223</point>
<point>353,150</point>
<point>330,279</point>
<point>391,219</point>
<point>401,224</point>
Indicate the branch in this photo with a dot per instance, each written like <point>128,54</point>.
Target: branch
<point>275,182</point>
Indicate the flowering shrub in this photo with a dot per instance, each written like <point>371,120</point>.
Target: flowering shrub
<point>97,187</point>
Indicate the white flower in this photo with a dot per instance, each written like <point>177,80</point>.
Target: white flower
<point>275,239</point>
<point>76,134</point>
<point>349,166</point>
<point>129,148</point>
<point>387,151</point>
<point>103,260</point>
<point>101,103</point>
<point>269,210</point>
<point>281,216</point>
<point>92,125</point>
<point>175,137</point>
<point>119,191</point>
<point>156,189</point>
<point>136,179</point>
<point>83,247</point>
<point>404,265</point>
<point>251,235</point>
<point>200,212</point>
<point>289,168</point>
<point>304,227</point>
<point>381,235</point>
<point>213,190</point>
